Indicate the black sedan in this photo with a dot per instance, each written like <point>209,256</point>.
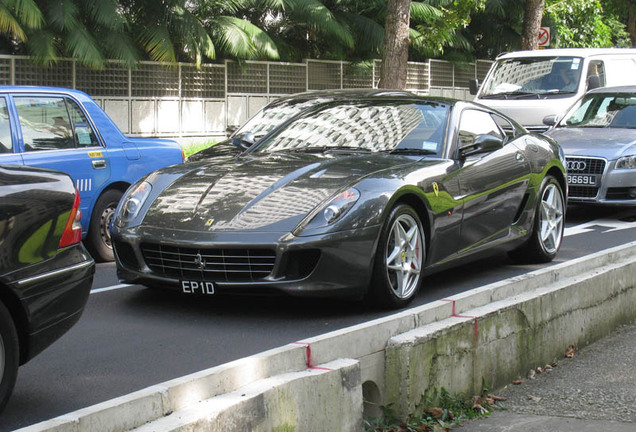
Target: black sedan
<point>45,272</point>
<point>355,197</point>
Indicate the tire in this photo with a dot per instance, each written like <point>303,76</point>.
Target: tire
<point>398,260</point>
<point>547,230</point>
<point>9,355</point>
<point>98,240</point>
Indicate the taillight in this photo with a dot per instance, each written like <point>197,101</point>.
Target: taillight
<point>73,230</point>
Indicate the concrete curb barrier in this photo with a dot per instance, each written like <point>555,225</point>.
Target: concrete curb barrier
<point>496,332</point>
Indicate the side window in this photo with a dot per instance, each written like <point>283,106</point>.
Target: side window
<point>45,123</point>
<point>505,125</point>
<point>84,134</point>
<point>597,68</point>
<point>6,142</point>
<point>475,123</point>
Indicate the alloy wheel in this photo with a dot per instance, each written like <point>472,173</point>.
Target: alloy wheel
<point>404,256</point>
<point>551,222</point>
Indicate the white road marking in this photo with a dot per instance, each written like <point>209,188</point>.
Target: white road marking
<point>612,224</point>
<point>110,288</point>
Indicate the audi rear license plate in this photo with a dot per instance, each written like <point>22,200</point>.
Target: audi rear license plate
<point>582,180</point>
<point>197,287</point>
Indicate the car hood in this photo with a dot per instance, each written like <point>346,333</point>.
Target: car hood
<point>258,192</point>
<point>608,143</point>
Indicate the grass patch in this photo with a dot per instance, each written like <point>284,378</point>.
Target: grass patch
<point>197,147</point>
<point>439,411</point>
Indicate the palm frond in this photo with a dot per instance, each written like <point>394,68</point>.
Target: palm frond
<point>83,47</point>
<point>29,13</point>
<point>320,19</point>
<point>119,46</point>
<point>261,40</point>
<point>369,34</point>
<point>232,39</point>
<point>62,15</point>
<point>424,12</point>
<point>105,13</point>
<point>10,25</point>
<point>157,43</point>
<point>42,47</point>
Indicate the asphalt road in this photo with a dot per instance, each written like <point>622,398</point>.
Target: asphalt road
<point>130,337</point>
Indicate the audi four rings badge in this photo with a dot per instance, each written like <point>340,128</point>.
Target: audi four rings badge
<point>576,165</point>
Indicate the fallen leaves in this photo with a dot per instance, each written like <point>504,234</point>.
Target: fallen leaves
<point>534,398</point>
<point>569,353</point>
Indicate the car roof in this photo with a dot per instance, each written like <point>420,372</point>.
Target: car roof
<point>615,89</point>
<point>41,89</point>
<point>576,52</point>
<point>358,95</point>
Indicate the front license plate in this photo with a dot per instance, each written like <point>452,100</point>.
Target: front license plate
<point>581,180</point>
<point>197,287</point>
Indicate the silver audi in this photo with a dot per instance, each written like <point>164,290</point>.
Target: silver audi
<point>598,136</point>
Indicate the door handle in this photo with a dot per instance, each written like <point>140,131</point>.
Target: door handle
<point>99,164</point>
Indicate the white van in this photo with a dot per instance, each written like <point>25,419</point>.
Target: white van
<point>530,85</point>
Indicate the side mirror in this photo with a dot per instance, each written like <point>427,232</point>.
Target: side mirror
<point>550,120</point>
<point>483,144</point>
<point>244,141</point>
<point>473,86</point>
<point>593,81</point>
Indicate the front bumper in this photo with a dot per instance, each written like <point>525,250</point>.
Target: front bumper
<point>616,188</point>
<point>334,265</point>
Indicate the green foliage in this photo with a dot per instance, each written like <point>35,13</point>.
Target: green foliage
<point>582,23</point>
<point>437,409</point>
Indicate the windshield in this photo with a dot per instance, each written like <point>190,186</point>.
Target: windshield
<point>603,111</point>
<point>419,127</point>
<point>275,114</point>
<point>534,76</point>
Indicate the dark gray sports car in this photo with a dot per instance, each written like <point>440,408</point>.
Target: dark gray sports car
<point>359,197</point>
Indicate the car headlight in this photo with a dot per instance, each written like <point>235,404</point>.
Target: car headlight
<point>133,202</point>
<point>626,162</point>
<point>332,212</point>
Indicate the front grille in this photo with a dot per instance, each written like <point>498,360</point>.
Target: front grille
<point>215,265</point>
<point>579,165</point>
<point>583,165</point>
<point>582,191</point>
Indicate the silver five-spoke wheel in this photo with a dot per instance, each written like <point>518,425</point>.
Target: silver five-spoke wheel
<point>399,259</point>
<point>404,256</point>
<point>551,218</point>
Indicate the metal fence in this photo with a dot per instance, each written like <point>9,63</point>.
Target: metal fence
<point>158,99</point>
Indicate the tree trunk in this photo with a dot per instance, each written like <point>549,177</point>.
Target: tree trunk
<point>631,23</point>
<point>395,55</point>
<point>532,23</point>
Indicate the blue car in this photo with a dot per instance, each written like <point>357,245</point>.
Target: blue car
<point>66,130</point>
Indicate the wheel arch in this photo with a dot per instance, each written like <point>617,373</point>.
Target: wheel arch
<point>19,317</point>
<point>418,203</point>
<point>558,174</point>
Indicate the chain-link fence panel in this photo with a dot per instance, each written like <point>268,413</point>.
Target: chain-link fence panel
<point>441,73</point>
<point>464,72</point>
<point>417,75</point>
<point>246,77</point>
<point>206,82</point>
<point>287,78</point>
<point>111,81</point>
<point>5,71</point>
<point>57,75</point>
<point>155,80</point>
<point>358,75</point>
<point>483,66</point>
<point>324,75</point>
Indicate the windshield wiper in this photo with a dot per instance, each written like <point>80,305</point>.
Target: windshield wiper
<point>415,151</point>
<point>513,94</point>
<point>325,149</point>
